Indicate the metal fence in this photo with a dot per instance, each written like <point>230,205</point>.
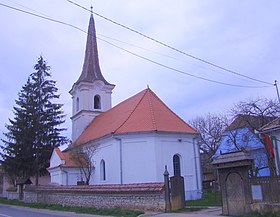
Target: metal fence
<point>265,189</point>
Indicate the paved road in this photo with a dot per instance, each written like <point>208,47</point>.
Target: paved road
<point>17,211</point>
<point>211,212</point>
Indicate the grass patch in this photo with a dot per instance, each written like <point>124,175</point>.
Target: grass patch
<point>85,210</point>
<point>256,214</point>
<point>209,198</point>
<point>186,209</point>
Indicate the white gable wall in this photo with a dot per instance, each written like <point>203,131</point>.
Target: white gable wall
<point>55,160</point>
<point>62,175</point>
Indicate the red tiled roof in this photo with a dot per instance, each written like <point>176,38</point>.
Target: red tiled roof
<point>66,156</point>
<point>59,153</point>
<point>143,112</point>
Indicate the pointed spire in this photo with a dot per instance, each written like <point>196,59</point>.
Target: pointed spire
<point>91,69</point>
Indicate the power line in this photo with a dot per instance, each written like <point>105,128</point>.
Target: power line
<point>132,53</point>
<point>43,17</point>
<point>170,47</point>
<point>179,71</point>
<point>28,8</point>
<point>277,91</point>
<point>164,55</point>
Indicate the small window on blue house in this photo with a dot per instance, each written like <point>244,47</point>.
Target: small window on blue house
<point>176,165</point>
<point>245,138</point>
<point>102,170</point>
<point>97,102</point>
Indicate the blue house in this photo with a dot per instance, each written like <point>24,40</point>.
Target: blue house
<point>241,136</point>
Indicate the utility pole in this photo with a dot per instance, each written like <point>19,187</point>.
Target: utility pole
<point>277,91</point>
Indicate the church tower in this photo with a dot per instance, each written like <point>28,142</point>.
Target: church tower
<point>91,93</point>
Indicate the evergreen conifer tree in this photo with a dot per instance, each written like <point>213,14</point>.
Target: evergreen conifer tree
<point>34,131</point>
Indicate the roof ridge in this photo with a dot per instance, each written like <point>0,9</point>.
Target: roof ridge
<point>277,120</point>
<point>173,112</point>
<point>152,110</point>
<point>131,112</point>
<point>60,153</point>
<point>143,112</point>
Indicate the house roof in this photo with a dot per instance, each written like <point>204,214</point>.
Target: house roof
<point>143,112</point>
<point>251,122</point>
<point>232,157</point>
<point>66,157</point>
<point>23,181</point>
<point>273,125</point>
<point>91,69</point>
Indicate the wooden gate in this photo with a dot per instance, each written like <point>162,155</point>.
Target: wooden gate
<point>177,192</point>
<point>235,194</point>
<point>234,181</point>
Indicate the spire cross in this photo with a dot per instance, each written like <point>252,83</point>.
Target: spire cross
<point>91,9</point>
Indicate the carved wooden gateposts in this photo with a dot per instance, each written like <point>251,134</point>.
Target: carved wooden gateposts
<point>233,169</point>
<point>177,192</point>
<point>174,192</point>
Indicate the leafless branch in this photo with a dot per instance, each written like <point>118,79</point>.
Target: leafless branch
<point>83,156</point>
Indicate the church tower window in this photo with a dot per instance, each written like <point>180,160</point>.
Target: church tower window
<point>176,165</point>
<point>97,102</point>
<point>77,104</point>
<point>102,170</point>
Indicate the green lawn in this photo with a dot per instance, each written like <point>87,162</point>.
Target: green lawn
<point>209,198</point>
<point>111,212</point>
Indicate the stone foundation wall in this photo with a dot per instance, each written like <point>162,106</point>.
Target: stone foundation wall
<point>265,207</point>
<point>133,196</point>
<point>12,195</point>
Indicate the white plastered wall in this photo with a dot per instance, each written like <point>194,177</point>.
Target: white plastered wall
<point>85,92</point>
<point>55,160</point>
<point>141,158</point>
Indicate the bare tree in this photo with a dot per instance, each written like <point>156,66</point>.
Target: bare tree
<point>83,156</point>
<point>243,139</point>
<point>260,107</point>
<point>254,114</point>
<point>211,128</point>
<point>247,117</point>
<point>260,163</point>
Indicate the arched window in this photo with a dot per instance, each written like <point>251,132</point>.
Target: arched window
<point>77,104</point>
<point>97,102</point>
<point>176,165</point>
<point>102,170</point>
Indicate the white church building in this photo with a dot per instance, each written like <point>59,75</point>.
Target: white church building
<point>135,139</point>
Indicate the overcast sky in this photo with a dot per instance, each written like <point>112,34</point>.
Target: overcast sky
<point>239,35</point>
